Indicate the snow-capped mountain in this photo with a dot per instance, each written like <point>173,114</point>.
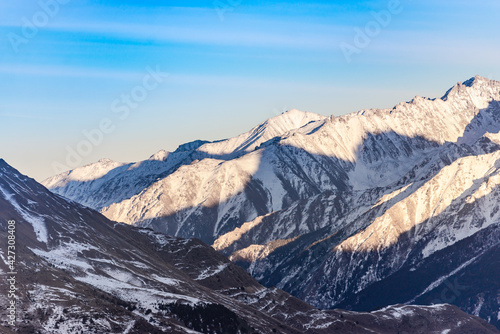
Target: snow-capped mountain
<point>386,193</point>
<point>78,272</point>
<point>106,182</point>
<point>433,240</point>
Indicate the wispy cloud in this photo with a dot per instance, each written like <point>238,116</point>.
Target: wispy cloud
<point>204,35</point>
<point>198,26</point>
<point>67,71</point>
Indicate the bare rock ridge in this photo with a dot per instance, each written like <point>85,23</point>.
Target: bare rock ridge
<point>337,211</point>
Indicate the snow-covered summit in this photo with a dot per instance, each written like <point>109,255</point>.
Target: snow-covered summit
<point>193,145</point>
<point>161,155</point>
<point>477,86</point>
<point>290,120</point>
<point>86,173</point>
<point>276,126</point>
<point>105,182</point>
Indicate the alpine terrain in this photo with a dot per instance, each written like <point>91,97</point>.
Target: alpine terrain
<point>75,271</point>
<point>362,211</point>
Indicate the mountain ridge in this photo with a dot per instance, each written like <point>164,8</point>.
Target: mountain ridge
<point>291,201</point>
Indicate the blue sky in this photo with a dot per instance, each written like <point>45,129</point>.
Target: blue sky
<point>231,64</point>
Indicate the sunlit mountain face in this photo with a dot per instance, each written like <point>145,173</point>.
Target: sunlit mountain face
<point>375,208</point>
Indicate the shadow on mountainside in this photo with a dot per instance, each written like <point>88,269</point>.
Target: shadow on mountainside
<point>304,175</point>
<point>301,174</point>
<point>464,273</point>
<point>400,270</point>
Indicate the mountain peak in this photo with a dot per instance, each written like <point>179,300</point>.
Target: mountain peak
<point>8,168</point>
<point>193,145</point>
<point>475,80</point>
<point>294,111</point>
<point>85,173</point>
<point>297,115</point>
<point>161,155</point>
<point>276,126</point>
<point>104,161</point>
<point>290,120</point>
<point>477,83</point>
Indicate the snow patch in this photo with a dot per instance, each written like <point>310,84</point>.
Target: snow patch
<point>147,298</point>
<point>211,271</point>
<point>66,256</point>
<point>166,280</point>
<point>37,223</point>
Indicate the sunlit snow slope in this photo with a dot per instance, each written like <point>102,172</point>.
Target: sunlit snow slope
<point>393,195</point>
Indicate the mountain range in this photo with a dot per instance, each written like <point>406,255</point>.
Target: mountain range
<point>74,271</point>
<point>362,211</point>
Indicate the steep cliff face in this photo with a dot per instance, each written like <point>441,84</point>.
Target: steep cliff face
<point>329,208</point>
